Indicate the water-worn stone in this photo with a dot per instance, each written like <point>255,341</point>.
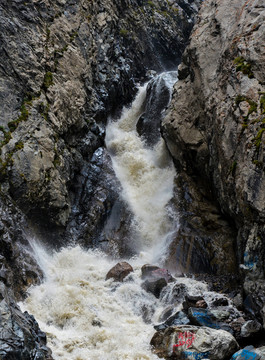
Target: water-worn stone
<point>193,342</point>
<point>154,286</point>
<point>156,279</point>
<point>205,317</point>
<point>250,328</point>
<point>119,271</point>
<point>179,318</point>
<point>248,353</point>
<point>147,270</point>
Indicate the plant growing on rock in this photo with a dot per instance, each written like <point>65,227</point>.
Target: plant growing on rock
<point>243,66</point>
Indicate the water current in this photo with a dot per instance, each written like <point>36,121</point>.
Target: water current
<point>84,316</point>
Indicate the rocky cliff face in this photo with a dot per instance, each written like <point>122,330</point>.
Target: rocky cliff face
<point>65,67</point>
<point>215,132</point>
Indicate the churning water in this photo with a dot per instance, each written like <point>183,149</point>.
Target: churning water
<point>84,316</point>
<point>146,174</point>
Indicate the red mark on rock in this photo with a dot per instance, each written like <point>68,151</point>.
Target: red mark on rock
<point>185,338</point>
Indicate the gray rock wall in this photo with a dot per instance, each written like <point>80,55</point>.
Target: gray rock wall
<point>66,66</point>
<point>215,127</point>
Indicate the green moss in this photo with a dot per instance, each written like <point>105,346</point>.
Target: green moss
<point>258,163</point>
<point>56,161</point>
<point>124,32</point>
<point>48,80</point>
<point>253,106</point>
<point>150,3</point>
<point>258,138</point>
<point>262,104</point>
<point>243,66</point>
<point>233,168</point>
<point>18,146</point>
<point>24,114</point>
<point>44,110</point>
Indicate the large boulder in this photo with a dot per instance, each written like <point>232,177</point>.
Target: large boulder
<point>193,342</point>
<point>119,271</point>
<point>156,279</point>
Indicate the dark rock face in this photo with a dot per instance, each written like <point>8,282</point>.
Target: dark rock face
<point>158,96</point>
<point>69,66</point>
<point>215,132</point>
<point>21,338</point>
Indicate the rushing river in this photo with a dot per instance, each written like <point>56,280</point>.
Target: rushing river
<point>84,316</point>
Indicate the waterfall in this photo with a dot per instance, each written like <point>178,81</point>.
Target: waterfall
<point>146,173</point>
<point>84,316</point>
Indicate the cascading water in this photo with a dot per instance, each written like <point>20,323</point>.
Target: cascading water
<point>84,316</point>
<point>146,174</point>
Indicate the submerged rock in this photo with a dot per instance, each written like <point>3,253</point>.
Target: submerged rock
<point>193,342</point>
<point>119,271</point>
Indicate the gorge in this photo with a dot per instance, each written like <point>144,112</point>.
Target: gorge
<point>87,180</point>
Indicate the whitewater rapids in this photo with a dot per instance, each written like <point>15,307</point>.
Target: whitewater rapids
<point>84,316</point>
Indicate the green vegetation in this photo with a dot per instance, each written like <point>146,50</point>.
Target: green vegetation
<point>44,110</point>
<point>258,138</point>
<point>124,32</point>
<point>243,66</point>
<point>253,107</point>
<point>150,3</point>
<point>258,163</point>
<point>18,146</point>
<point>24,114</point>
<point>48,80</point>
<point>262,104</point>
<point>233,168</point>
<point>7,136</point>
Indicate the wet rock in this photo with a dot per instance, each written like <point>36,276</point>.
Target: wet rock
<point>193,342</point>
<point>220,302</point>
<point>147,270</point>
<point>250,328</point>
<point>177,294</point>
<point>201,304</point>
<point>154,286</point>
<point>191,301</point>
<point>205,317</point>
<point>249,352</point>
<point>21,337</point>
<point>236,325</point>
<point>180,318</point>
<point>156,279</point>
<point>119,271</point>
<point>157,99</point>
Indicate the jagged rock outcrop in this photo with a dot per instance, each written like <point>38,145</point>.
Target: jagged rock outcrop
<point>66,66</point>
<point>215,129</point>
